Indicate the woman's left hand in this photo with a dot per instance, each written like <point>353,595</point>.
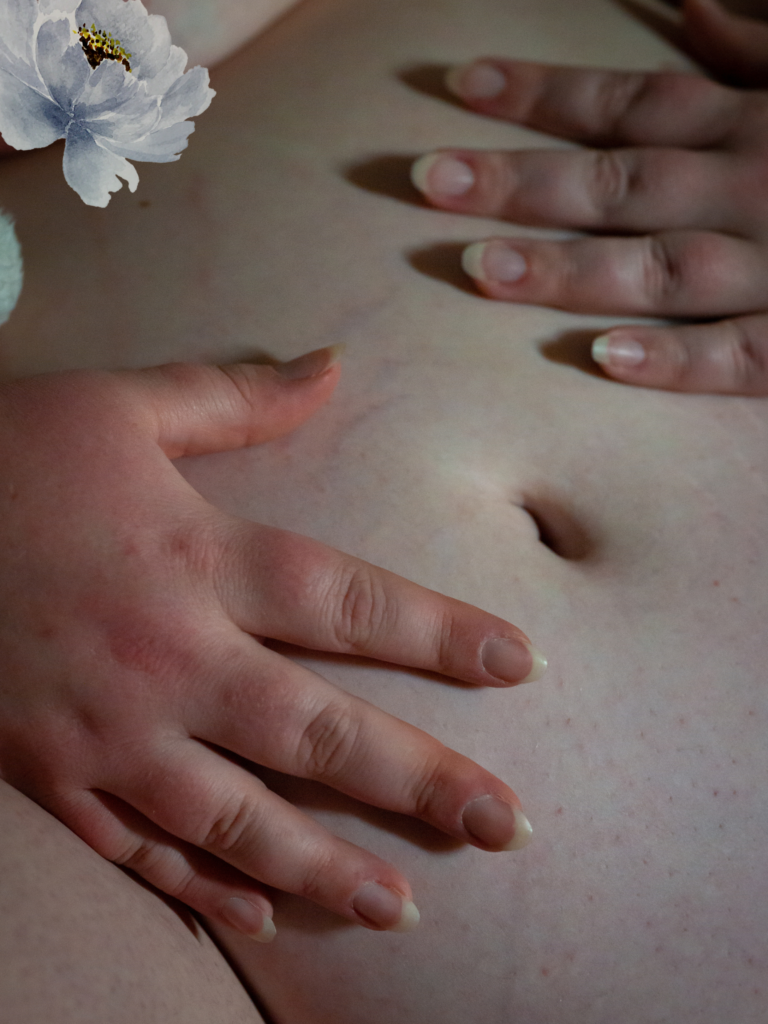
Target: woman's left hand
<point>676,183</point>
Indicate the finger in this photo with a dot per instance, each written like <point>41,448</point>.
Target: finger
<point>284,717</point>
<point>218,807</point>
<point>608,189</point>
<point>280,585</point>
<point>734,47</point>
<point>673,273</point>
<point>601,107</point>
<point>729,357</point>
<point>193,409</point>
<point>203,882</point>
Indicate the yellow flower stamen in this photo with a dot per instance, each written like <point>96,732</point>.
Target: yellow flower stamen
<point>99,46</point>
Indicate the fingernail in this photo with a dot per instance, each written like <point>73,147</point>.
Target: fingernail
<point>617,351</point>
<point>442,175</point>
<point>243,916</point>
<point>497,824</point>
<point>512,660</point>
<point>493,262</point>
<point>476,81</point>
<point>312,364</point>
<point>384,908</point>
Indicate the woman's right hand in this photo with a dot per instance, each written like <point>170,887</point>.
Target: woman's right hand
<point>132,615</point>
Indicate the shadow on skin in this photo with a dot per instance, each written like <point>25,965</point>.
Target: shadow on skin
<point>385,175</point>
<point>429,79</point>
<point>666,25</point>
<point>573,348</point>
<point>442,262</point>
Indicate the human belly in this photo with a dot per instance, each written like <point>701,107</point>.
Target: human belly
<point>624,530</point>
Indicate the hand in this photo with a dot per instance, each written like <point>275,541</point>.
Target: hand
<point>683,199</point>
<point>130,658</point>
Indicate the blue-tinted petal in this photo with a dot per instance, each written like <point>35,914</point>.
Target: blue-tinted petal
<point>189,96</point>
<point>64,68</point>
<point>28,120</point>
<point>160,147</point>
<point>93,172</point>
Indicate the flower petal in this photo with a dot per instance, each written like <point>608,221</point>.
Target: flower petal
<point>187,98</point>
<point>18,19</point>
<point>63,67</point>
<point>159,147</point>
<point>92,171</point>
<point>144,36</point>
<point>115,105</point>
<point>173,69</point>
<point>56,6</point>
<point>11,267</point>
<point>28,120</point>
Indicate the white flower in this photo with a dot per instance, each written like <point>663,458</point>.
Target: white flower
<point>103,75</point>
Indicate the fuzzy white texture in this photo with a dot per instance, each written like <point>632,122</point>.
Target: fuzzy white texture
<point>11,269</point>
<point>107,114</point>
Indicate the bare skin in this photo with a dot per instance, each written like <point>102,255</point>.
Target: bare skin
<point>462,432</point>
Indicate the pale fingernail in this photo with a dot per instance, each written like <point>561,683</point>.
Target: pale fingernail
<point>243,916</point>
<point>512,660</point>
<point>493,262</point>
<point>384,908</point>
<point>496,823</point>
<point>312,364</point>
<point>476,81</point>
<point>442,175</point>
<point>620,352</point>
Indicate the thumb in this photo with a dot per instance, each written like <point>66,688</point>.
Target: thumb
<point>200,409</point>
<point>732,46</point>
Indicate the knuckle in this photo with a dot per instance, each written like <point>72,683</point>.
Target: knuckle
<point>616,96</point>
<point>609,181</point>
<point>660,275</point>
<point>364,611</point>
<point>316,873</point>
<point>429,785</point>
<point>743,362</point>
<point>329,743</point>
<point>231,830</point>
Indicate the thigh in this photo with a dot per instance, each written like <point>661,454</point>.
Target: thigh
<point>81,942</point>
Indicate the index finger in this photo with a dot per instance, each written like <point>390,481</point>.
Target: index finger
<point>601,107</point>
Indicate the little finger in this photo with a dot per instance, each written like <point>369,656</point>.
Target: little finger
<point>220,808</point>
<point>203,882</point>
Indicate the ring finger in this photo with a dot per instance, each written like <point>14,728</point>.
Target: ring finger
<point>672,273</point>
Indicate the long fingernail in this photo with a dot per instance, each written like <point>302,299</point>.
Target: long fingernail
<point>496,823</point>
<point>512,660</point>
<point>618,351</point>
<point>438,174</point>
<point>385,909</point>
<point>493,262</point>
<point>476,81</point>
<point>312,364</point>
<point>248,919</point>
